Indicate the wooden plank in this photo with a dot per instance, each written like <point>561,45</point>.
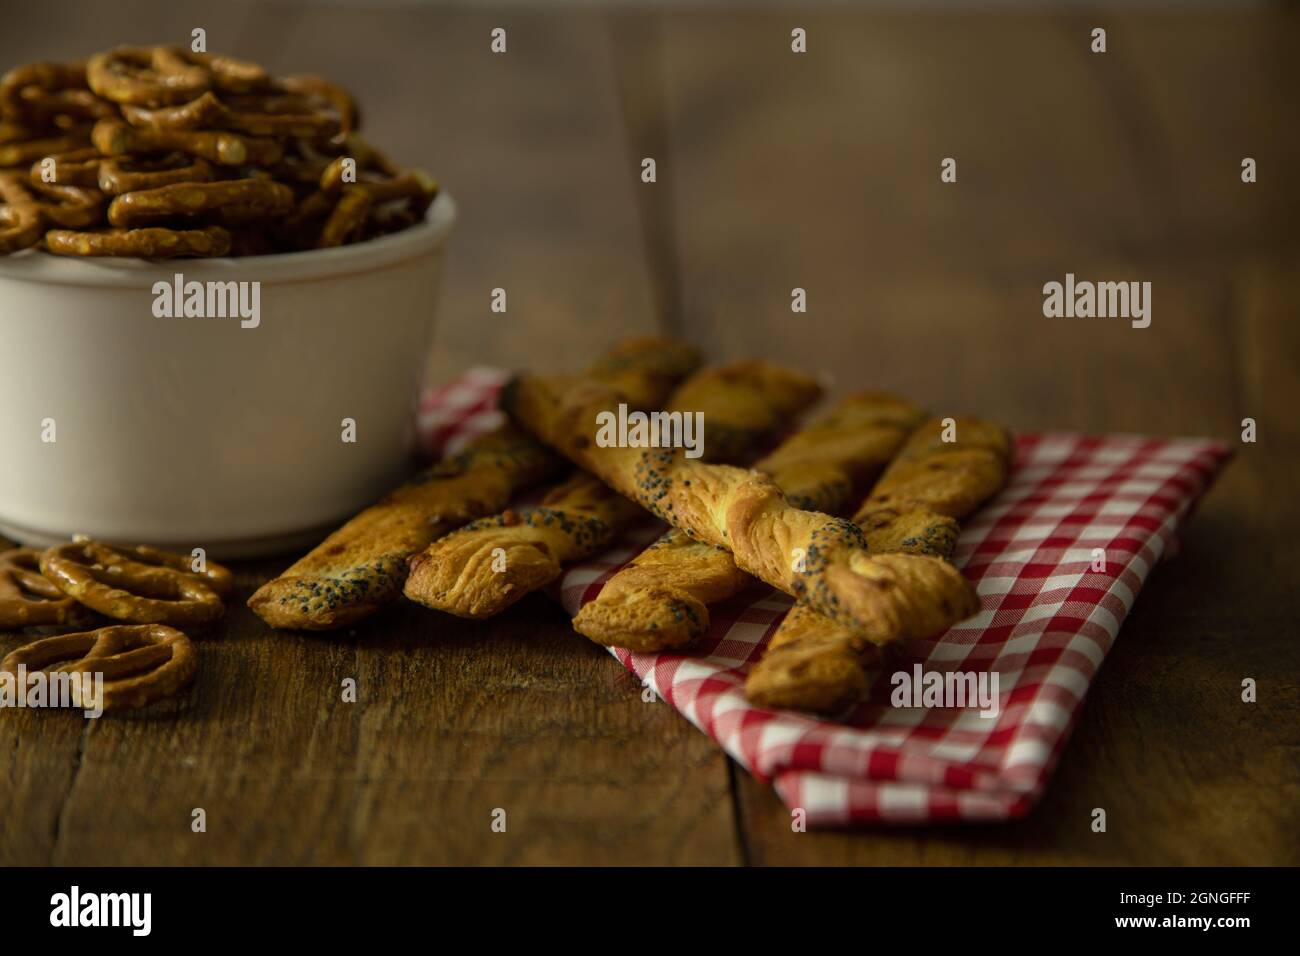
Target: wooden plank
<point>454,719</point>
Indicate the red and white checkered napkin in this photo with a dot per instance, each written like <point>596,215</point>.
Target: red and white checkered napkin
<point>1048,620</point>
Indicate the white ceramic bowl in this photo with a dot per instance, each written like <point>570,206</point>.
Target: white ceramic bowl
<point>198,432</point>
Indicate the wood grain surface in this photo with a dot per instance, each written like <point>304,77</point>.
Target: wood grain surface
<point>775,171</point>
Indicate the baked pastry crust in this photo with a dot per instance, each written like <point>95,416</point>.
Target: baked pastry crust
<point>822,561</point>
<point>817,664</point>
<point>661,599</point>
<point>487,566</point>
<point>362,567</point>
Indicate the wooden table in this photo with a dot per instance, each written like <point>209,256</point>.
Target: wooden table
<point>775,171</point>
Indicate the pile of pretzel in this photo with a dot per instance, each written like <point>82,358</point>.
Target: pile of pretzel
<point>150,593</point>
<point>157,153</point>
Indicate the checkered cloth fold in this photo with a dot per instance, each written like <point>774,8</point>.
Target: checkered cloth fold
<point>1058,559</point>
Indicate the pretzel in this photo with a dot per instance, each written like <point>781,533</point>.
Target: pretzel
<point>241,148</point>
<point>28,599</point>
<point>112,137</point>
<point>317,87</point>
<point>73,207</point>
<point>50,95</point>
<point>79,167</point>
<point>155,243</point>
<point>145,76</point>
<point>228,74</point>
<point>347,219</point>
<point>18,151</point>
<point>21,220</point>
<point>232,202</point>
<point>379,182</point>
<point>208,112</point>
<point>140,663</point>
<point>367,159</point>
<point>163,591</point>
<point>127,174</point>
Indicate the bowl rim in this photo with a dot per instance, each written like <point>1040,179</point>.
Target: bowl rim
<point>34,265</point>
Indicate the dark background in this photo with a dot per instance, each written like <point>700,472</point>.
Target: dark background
<point>775,170</point>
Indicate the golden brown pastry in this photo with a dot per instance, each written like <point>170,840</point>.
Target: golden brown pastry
<point>661,599</point>
<point>817,664</point>
<point>362,566</point>
<point>485,567</point>
<point>820,560</point>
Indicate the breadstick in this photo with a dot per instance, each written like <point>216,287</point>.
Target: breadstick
<point>816,664</point>
<point>362,566</point>
<point>661,599</point>
<point>820,560</point>
<point>485,567</point>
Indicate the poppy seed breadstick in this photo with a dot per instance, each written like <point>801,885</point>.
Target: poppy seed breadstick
<point>820,560</point>
<point>661,599</point>
<point>816,664</point>
<point>485,567</point>
<point>362,566</point>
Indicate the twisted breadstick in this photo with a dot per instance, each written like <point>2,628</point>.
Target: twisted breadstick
<point>490,564</point>
<point>820,560</point>
<point>661,599</point>
<point>362,566</point>
<point>817,664</point>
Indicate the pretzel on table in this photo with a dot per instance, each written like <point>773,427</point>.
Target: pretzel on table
<point>139,585</point>
<point>140,663</point>
<point>27,598</point>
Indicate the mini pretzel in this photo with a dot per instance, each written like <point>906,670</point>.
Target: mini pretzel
<point>208,112</point>
<point>127,174</point>
<point>21,152</point>
<point>50,94</point>
<point>73,207</point>
<point>231,202</point>
<point>366,159</point>
<point>317,87</point>
<point>69,206</point>
<point>215,576</point>
<point>258,157</point>
<point>203,243</point>
<point>80,167</point>
<point>21,220</point>
<point>146,76</point>
<point>140,663</point>
<point>98,576</point>
<point>27,598</point>
<point>114,138</point>
<point>347,219</point>
<point>202,113</point>
<point>228,74</point>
